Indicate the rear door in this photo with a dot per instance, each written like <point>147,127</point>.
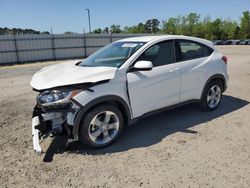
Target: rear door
<point>159,87</point>
<point>192,58</point>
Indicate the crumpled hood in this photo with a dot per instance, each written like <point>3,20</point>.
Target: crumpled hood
<point>68,74</point>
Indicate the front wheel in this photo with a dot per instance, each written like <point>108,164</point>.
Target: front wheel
<point>101,126</point>
<point>212,96</point>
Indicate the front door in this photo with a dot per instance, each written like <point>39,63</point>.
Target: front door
<point>159,87</point>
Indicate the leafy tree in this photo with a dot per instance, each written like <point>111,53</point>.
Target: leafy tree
<point>245,25</point>
<point>18,31</point>
<point>98,30</point>
<point>68,32</point>
<point>207,28</point>
<point>140,28</point>
<point>237,32</point>
<point>106,30</point>
<point>216,29</point>
<point>115,29</point>
<point>152,26</point>
<point>171,26</point>
<point>193,24</point>
<point>228,28</point>
<point>132,29</point>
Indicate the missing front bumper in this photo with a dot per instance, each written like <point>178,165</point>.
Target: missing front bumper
<point>54,122</point>
<point>35,134</point>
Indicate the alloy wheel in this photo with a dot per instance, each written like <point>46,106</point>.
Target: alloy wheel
<point>214,96</point>
<point>103,127</point>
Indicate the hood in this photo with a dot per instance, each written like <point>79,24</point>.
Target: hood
<point>69,74</point>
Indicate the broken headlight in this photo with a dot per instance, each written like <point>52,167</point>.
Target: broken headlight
<point>56,97</point>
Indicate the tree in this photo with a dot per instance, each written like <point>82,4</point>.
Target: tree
<point>140,28</point>
<point>207,28</point>
<point>98,30</point>
<point>228,28</point>
<point>237,32</point>
<point>132,29</point>
<point>152,26</point>
<point>193,24</point>
<point>68,33</point>
<point>115,29</point>
<point>106,30</point>
<point>19,31</point>
<point>216,29</point>
<point>171,26</point>
<point>245,25</point>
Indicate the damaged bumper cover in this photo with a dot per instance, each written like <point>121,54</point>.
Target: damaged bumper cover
<point>52,121</point>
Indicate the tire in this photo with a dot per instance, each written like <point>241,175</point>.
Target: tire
<point>213,91</point>
<point>101,126</point>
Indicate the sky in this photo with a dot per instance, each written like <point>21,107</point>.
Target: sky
<point>70,15</point>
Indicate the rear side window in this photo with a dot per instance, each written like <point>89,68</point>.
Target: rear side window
<point>192,50</point>
<point>159,54</point>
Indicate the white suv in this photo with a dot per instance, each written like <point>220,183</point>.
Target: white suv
<point>93,100</point>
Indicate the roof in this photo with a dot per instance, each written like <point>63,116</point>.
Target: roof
<point>151,38</point>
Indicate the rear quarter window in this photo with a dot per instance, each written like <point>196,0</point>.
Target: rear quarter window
<point>189,50</point>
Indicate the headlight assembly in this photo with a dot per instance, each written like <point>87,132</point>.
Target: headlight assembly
<point>56,97</point>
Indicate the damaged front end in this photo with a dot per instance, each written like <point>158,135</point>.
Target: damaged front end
<point>54,115</point>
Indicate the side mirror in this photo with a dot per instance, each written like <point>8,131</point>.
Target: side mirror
<point>142,66</point>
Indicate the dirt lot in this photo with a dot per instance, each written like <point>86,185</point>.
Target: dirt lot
<point>179,148</point>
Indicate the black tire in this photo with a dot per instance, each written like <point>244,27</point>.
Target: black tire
<point>204,102</point>
<point>84,136</point>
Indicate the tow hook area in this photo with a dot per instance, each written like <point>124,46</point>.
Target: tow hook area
<point>47,122</point>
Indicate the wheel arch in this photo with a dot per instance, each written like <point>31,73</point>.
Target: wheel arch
<point>216,77</point>
<point>120,103</point>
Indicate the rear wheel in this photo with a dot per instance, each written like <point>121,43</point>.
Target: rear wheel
<point>101,126</point>
<point>212,96</point>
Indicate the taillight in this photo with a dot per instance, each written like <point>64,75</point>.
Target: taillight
<point>224,58</point>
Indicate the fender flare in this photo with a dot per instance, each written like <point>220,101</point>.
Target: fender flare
<point>88,106</point>
<point>220,76</point>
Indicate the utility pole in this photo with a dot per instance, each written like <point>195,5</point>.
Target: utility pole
<point>89,19</point>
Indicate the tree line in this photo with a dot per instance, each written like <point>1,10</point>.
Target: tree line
<point>192,25</point>
<point>19,31</point>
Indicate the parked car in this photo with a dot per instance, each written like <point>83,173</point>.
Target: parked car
<point>218,42</point>
<point>94,99</point>
<point>248,42</point>
<point>243,42</point>
<point>228,42</point>
<point>236,42</point>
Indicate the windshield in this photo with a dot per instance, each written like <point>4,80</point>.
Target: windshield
<point>112,55</point>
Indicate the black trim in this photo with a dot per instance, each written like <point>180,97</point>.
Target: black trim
<point>85,86</point>
<point>108,98</point>
<point>77,103</point>
<point>127,91</point>
<point>133,69</point>
<point>216,76</point>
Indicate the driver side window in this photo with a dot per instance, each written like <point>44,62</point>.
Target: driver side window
<point>159,54</point>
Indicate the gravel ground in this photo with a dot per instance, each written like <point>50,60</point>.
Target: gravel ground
<point>183,147</point>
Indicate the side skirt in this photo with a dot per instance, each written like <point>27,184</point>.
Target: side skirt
<point>163,110</point>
